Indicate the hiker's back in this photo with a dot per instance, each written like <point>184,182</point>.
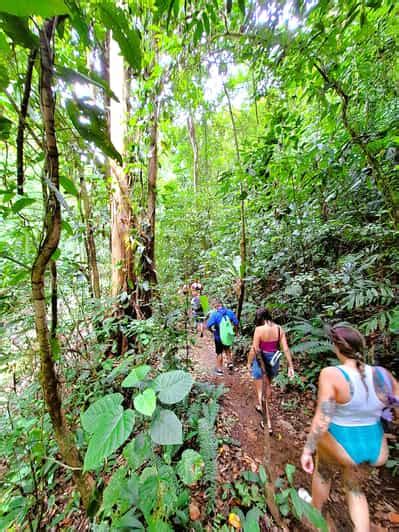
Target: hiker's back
<point>269,332</point>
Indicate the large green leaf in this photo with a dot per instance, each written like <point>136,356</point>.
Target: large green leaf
<point>241,5</point>
<point>127,37</point>
<point>21,204</point>
<point>122,491</point>
<point>190,467</point>
<point>128,521</point>
<point>145,402</point>
<point>158,490</point>
<point>302,507</point>
<point>69,186</point>
<point>24,8</point>
<point>18,30</point>
<point>136,375</point>
<point>91,124</point>
<point>4,79</point>
<point>173,386</point>
<point>78,21</point>
<point>113,432</point>
<point>155,524</point>
<point>166,429</point>
<point>106,407</point>
<point>148,490</point>
<point>5,128</point>
<point>138,450</point>
<point>75,76</point>
<point>251,523</point>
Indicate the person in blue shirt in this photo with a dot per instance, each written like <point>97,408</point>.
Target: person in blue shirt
<point>213,324</point>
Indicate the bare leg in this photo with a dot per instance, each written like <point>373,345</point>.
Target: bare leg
<point>219,361</point>
<point>321,484</point>
<point>228,354</point>
<point>259,390</point>
<point>268,394</point>
<point>357,502</point>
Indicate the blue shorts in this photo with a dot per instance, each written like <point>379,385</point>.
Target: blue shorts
<point>271,371</point>
<point>362,443</point>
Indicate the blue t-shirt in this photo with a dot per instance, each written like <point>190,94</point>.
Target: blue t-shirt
<point>216,317</point>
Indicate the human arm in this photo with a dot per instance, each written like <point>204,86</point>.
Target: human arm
<point>287,352</point>
<point>325,409</point>
<point>211,320</point>
<point>254,347</point>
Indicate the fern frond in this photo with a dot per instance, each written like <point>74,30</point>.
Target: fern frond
<point>313,347</point>
<point>208,449</point>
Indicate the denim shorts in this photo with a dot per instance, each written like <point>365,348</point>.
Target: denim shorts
<point>271,371</point>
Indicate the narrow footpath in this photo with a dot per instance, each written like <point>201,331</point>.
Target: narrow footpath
<point>292,411</point>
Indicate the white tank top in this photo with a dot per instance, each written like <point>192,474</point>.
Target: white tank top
<point>361,409</point>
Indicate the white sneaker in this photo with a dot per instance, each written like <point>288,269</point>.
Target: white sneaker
<point>304,495</point>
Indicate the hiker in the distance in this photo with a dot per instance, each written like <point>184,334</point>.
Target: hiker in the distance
<point>196,287</point>
<point>346,432</point>
<point>223,323</point>
<point>264,357</point>
<point>197,311</point>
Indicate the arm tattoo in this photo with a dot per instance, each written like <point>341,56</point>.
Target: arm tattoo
<point>327,409</point>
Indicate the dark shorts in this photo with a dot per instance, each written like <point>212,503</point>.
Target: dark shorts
<point>271,371</point>
<point>219,347</point>
<point>198,317</point>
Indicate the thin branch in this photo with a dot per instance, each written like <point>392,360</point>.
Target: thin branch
<point>22,121</point>
<point>28,127</point>
<point>2,256</point>
<point>62,464</point>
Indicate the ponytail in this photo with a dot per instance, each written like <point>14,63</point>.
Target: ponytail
<point>361,368</point>
<point>351,344</point>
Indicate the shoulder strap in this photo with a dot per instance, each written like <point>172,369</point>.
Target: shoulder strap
<point>383,378</point>
<point>344,373</point>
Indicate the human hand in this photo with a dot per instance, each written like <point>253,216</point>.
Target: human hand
<point>291,373</point>
<point>307,462</point>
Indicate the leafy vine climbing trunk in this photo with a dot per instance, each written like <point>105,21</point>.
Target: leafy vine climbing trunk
<point>148,270</point>
<point>52,231</point>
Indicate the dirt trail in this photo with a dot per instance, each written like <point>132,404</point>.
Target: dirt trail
<point>291,415</point>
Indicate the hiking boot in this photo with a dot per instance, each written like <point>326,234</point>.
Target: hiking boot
<point>230,366</point>
<point>219,372</point>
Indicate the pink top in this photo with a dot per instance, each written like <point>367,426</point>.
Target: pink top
<point>270,346</point>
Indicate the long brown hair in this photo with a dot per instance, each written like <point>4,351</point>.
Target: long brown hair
<point>262,315</point>
<point>351,344</point>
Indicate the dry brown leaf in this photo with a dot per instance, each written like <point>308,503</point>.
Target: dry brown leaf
<point>195,513</point>
<point>393,517</point>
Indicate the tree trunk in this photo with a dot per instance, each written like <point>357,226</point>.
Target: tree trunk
<point>90,241</point>
<point>194,145</point>
<point>243,240</point>
<point>148,261</point>
<point>52,230</point>
<point>122,222</point>
<point>22,119</point>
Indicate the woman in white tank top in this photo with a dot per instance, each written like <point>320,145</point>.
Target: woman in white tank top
<point>346,430</point>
